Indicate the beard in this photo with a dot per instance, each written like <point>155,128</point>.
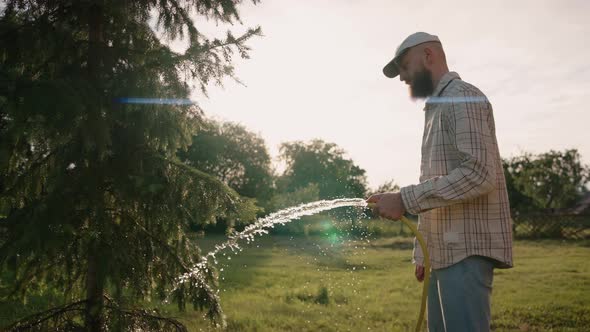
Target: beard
<point>422,86</point>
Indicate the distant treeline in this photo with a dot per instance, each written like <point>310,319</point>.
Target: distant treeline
<point>320,170</point>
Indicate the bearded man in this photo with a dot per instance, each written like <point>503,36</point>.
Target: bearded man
<point>461,200</point>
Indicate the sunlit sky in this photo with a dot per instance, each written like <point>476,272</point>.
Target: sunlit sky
<point>316,73</point>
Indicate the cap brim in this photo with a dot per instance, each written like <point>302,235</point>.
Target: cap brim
<point>391,70</point>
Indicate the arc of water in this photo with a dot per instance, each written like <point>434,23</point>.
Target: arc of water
<point>261,227</point>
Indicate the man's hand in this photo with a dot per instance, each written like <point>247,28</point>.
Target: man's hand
<point>388,205</point>
<point>419,273</point>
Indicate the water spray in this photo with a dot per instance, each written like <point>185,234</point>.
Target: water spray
<point>258,228</point>
<point>262,226</point>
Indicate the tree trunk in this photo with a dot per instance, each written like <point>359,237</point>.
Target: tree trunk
<point>94,293</point>
<point>95,41</point>
<point>95,278</point>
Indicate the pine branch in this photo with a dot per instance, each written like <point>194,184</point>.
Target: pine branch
<point>33,166</point>
<point>145,316</point>
<point>213,300</point>
<point>188,214</point>
<point>37,319</point>
<point>139,318</point>
<point>32,23</point>
<point>163,244</point>
<point>230,193</point>
<point>29,273</point>
<point>192,30</point>
<point>36,268</point>
<point>232,41</point>
<point>193,171</point>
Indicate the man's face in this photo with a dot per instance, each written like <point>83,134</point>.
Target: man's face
<point>413,72</point>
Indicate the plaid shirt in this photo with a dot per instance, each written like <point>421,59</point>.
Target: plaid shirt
<point>461,199</point>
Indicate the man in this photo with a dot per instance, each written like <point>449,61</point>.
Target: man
<point>461,199</point>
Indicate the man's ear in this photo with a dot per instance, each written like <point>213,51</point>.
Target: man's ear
<point>428,55</point>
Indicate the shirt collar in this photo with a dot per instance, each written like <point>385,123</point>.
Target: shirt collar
<point>442,84</point>
<point>444,81</point>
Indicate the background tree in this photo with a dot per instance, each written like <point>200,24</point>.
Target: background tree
<point>323,164</point>
<point>94,202</point>
<point>387,186</point>
<point>554,179</point>
<point>322,168</point>
<point>236,156</point>
<point>307,194</point>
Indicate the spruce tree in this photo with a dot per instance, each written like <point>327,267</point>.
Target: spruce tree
<point>93,201</point>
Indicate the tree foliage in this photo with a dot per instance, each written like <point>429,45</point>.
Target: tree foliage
<point>93,199</point>
<point>555,179</point>
<point>387,186</point>
<point>324,164</point>
<point>302,195</point>
<point>234,155</point>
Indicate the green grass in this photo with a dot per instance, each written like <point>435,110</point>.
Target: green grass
<point>281,283</point>
<point>327,282</point>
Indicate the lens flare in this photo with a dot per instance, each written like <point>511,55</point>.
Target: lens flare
<point>155,101</point>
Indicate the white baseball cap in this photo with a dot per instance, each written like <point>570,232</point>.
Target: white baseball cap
<point>391,69</point>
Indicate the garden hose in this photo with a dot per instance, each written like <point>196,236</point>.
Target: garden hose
<point>426,271</point>
<point>414,230</point>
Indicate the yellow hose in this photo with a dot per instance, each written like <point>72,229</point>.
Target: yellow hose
<point>426,271</point>
<point>412,227</point>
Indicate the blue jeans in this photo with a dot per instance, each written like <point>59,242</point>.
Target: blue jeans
<point>459,296</point>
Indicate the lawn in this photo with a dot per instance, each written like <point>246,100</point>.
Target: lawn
<point>331,281</point>
<point>282,283</point>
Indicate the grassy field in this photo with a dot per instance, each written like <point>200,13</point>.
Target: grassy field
<point>281,283</point>
<point>328,282</point>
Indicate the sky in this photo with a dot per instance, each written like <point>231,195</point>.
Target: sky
<point>317,73</point>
